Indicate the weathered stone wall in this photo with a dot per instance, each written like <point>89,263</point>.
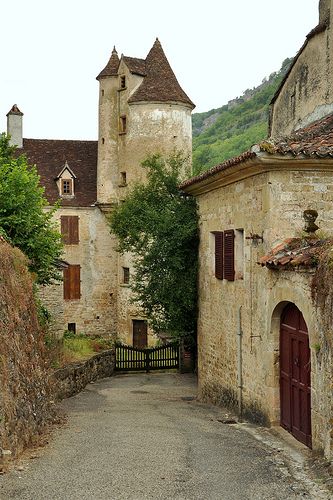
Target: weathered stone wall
<point>25,389</point>
<point>95,313</point>
<point>307,94</point>
<point>73,378</point>
<point>269,204</point>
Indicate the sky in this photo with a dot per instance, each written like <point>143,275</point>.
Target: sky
<point>52,51</point>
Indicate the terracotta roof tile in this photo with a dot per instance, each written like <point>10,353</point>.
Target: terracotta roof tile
<point>135,65</point>
<point>291,253</point>
<point>50,156</point>
<point>314,140</point>
<point>218,168</point>
<point>160,84</point>
<point>111,69</point>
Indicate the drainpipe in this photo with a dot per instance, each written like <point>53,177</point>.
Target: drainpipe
<point>239,365</point>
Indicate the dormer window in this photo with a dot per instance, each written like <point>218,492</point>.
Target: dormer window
<point>66,186</point>
<point>123,82</point>
<point>66,181</point>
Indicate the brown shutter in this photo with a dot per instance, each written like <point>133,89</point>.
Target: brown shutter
<point>74,229</point>
<point>64,229</point>
<point>229,255</point>
<point>72,284</point>
<point>70,229</point>
<point>219,255</point>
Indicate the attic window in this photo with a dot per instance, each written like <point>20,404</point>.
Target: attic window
<point>66,187</point>
<point>122,124</point>
<point>123,82</point>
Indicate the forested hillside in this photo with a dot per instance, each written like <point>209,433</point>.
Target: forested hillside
<point>228,131</point>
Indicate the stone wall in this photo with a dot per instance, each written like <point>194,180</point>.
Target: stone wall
<point>73,378</point>
<point>25,388</point>
<point>268,204</point>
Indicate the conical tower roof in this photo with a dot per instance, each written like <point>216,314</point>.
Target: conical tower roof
<point>111,69</point>
<point>160,84</point>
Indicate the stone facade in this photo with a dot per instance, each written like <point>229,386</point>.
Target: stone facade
<point>142,110</point>
<point>261,196</point>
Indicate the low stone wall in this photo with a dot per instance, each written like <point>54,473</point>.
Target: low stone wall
<point>73,378</point>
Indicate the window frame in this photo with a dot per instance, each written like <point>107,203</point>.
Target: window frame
<point>71,186</point>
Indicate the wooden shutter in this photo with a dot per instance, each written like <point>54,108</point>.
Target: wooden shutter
<point>219,255</point>
<point>70,229</point>
<point>72,284</point>
<point>229,255</point>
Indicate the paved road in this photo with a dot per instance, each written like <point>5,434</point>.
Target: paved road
<point>144,437</point>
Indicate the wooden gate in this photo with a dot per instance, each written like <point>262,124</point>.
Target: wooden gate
<point>295,371</point>
<point>130,358</point>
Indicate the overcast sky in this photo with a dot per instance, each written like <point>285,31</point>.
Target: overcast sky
<point>52,51</point>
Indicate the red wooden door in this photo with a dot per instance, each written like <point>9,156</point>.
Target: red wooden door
<point>295,371</point>
<point>139,333</point>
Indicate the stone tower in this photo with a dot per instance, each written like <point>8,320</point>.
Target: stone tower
<point>142,110</point>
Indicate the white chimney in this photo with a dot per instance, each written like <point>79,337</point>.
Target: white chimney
<point>14,126</point>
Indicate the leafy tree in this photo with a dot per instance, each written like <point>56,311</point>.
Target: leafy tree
<point>23,218</point>
<point>159,226</point>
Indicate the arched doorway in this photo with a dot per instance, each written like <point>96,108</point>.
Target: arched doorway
<point>295,371</point>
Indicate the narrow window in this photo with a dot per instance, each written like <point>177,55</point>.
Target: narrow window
<point>123,124</point>
<point>103,140</point>
<point>70,229</point>
<point>228,254</point>
<point>71,327</point>
<point>123,179</point>
<point>126,275</point>
<point>72,282</point>
<point>218,254</point>
<point>66,186</point>
<point>102,93</point>
<point>239,254</point>
<point>123,82</point>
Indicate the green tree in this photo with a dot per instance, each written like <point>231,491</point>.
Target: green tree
<point>159,226</point>
<point>23,218</point>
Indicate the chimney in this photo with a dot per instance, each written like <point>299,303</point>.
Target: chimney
<point>14,126</point>
<point>324,10</point>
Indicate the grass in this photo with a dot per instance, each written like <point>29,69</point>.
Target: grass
<point>72,348</point>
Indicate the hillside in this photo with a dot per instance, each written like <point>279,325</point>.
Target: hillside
<point>228,131</point>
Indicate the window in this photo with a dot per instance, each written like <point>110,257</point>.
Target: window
<point>122,124</point>
<point>71,327</point>
<point>123,179</point>
<point>126,275</point>
<point>70,229</point>
<point>123,82</point>
<point>224,255</point>
<point>66,186</point>
<point>72,288</point>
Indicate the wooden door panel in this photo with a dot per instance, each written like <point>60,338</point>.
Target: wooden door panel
<point>140,334</point>
<point>295,375</point>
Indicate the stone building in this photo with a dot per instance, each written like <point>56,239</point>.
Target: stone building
<point>142,110</point>
<point>264,346</point>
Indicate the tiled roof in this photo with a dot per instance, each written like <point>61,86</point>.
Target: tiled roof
<point>135,65</point>
<point>318,29</point>
<point>15,111</point>
<point>314,140</point>
<point>160,84</point>
<point>218,168</point>
<point>293,252</point>
<point>50,156</point>
<point>111,69</point>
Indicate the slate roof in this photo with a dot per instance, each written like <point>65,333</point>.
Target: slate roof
<point>293,252</point>
<point>50,157</point>
<point>14,111</point>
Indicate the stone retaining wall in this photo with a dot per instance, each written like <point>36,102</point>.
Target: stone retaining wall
<point>73,378</point>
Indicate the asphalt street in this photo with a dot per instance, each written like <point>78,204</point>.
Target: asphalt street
<point>144,436</point>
